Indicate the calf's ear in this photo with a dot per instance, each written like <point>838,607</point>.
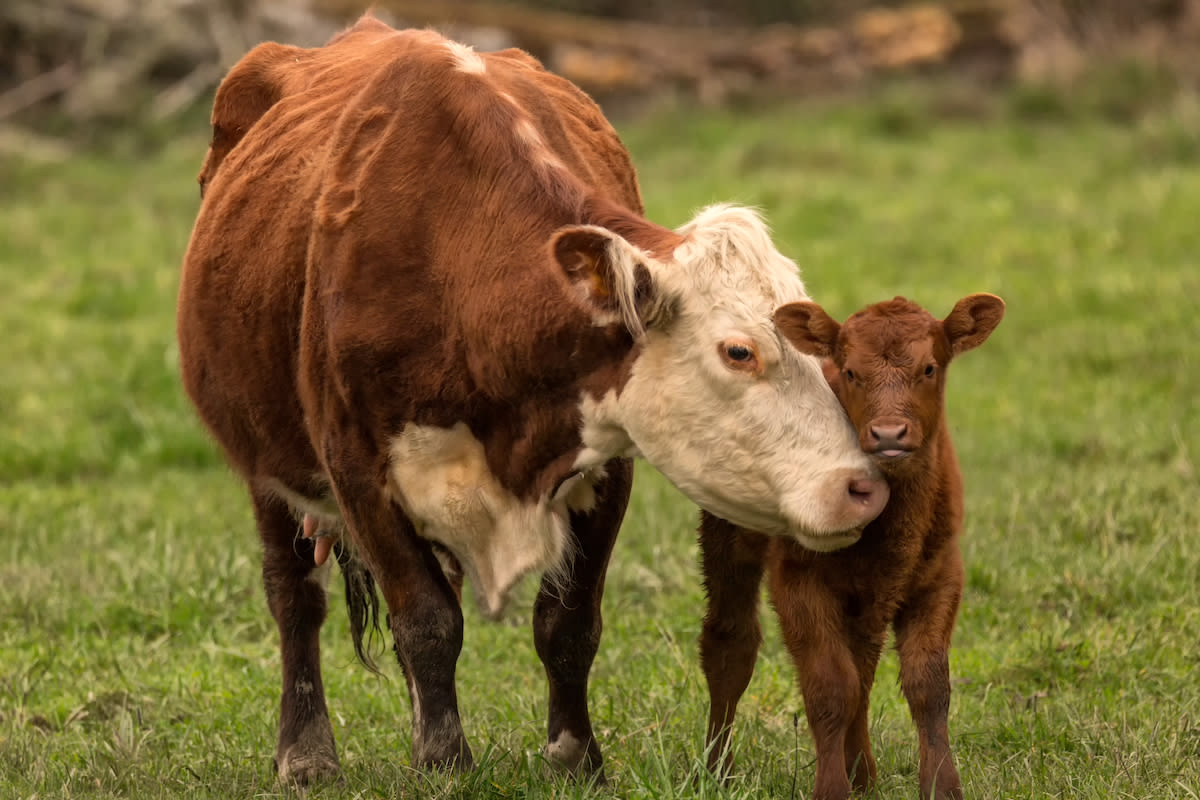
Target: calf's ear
<point>972,321</point>
<point>612,276</point>
<point>808,328</point>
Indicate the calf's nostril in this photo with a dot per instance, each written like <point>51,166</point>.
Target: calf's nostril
<point>888,433</point>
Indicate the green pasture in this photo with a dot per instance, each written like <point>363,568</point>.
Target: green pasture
<point>137,657</point>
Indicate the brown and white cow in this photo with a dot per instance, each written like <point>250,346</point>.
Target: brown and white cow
<point>887,364</point>
<point>421,311</point>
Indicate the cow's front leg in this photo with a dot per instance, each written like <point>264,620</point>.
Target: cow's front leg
<point>295,589</point>
<point>923,631</point>
<point>732,560</point>
<point>567,624</point>
<point>423,609</point>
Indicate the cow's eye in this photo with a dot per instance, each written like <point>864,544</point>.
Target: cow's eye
<point>740,355</point>
<point>738,352</point>
<point>849,374</point>
<point>929,371</point>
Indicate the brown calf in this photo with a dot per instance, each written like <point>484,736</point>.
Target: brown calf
<point>887,364</point>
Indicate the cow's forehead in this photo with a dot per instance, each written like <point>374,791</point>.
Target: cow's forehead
<point>729,266</point>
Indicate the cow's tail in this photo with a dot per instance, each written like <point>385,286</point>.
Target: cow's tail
<point>362,603</point>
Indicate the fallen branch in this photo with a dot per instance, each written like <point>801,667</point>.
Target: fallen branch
<point>37,89</point>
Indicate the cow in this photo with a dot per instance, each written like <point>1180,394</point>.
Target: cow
<point>887,364</point>
<point>423,315</point>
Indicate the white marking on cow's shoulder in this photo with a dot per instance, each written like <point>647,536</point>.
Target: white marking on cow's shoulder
<point>440,477</point>
<point>466,59</point>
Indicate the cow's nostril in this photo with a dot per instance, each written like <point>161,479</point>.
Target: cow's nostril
<point>870,494</point>
<point>864,488</point>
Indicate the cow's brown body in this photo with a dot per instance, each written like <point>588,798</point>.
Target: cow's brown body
<point>413,313</point>
<point>337,380</point>
<point>905,572</point>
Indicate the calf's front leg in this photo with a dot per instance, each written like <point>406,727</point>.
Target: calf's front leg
<point>811,623</point>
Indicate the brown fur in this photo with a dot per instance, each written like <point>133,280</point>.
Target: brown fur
<point>887,364</point>
<point>376,247</point>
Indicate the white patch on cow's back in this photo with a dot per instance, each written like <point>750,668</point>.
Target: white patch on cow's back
<point>466,59</point>
<point>528,134</point>
<point>440,477</point>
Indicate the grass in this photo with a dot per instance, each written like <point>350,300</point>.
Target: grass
<point>137,658</point>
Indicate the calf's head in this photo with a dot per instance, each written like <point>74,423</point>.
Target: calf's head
<point>887,364</point>
<point>740,422</point>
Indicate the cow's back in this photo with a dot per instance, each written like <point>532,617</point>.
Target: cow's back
<point>383,174</point>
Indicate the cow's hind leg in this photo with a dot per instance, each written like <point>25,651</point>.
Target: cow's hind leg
<point>567,624</point>
<point>295,589</point>
<point>732,560</point>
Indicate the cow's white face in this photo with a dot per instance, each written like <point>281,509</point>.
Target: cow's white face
<point>741,422</point>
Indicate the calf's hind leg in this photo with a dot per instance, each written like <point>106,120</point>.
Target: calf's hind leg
<point>295,589</point>
<point>732,561</point>
<point>567,624</point>
<point>923,632</point>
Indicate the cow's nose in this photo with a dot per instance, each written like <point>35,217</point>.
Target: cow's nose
<point>870,495</point>
<point>889,437</point>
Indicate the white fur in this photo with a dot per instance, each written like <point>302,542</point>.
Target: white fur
<point>772,452</point>
<point>466,59</point>
<point>440,477</point>
<point>568,751</point>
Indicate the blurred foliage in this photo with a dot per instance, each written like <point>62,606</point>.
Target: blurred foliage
<point>716,12</point>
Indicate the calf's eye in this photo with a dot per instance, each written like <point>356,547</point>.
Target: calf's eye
<point>849,374</point>
<point>929,371</point>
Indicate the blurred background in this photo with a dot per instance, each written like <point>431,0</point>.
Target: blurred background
<point>69,65</point>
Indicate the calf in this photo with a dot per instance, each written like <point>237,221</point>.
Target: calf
<point>887,364</point>
<point>422,314</point>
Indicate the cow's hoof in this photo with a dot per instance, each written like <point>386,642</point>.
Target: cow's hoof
<point>307,768</point>
<point>573,756</point>
<point>451,757</point>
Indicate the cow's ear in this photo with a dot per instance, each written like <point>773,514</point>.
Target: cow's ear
<point>808,328</point>
<point>972,321</point>
<point>247,93</point>
<point>612,276</point>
